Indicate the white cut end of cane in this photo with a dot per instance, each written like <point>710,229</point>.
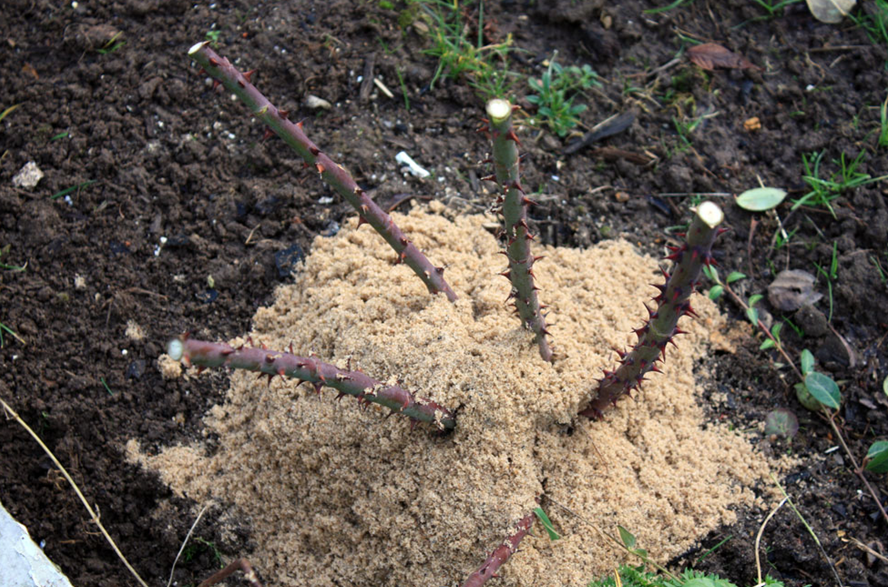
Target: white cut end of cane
<point>176,349</point>
<point>710,213</point>
<point>197,47</point>
<point>498,110</point>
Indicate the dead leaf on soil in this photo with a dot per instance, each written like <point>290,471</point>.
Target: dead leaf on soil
<point>712,55</point>
<point>830,11</point>
<point>792,289</point>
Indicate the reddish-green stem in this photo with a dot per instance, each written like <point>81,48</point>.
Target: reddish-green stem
<point>502,553</point>
<point>514,209</point>
<point>240,564</point>
<point>662,324</point>
<point>272,363</point>
<point>335,176</point>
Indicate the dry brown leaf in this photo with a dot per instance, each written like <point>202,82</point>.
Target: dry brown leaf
<point>712,55</point>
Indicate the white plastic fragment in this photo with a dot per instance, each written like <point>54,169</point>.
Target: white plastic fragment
<point>22,561</point>
<point>28,176</point>
<point>315,103</point>
<point>404,159</point>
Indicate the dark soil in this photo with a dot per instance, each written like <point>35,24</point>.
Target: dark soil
<point>171,162</point>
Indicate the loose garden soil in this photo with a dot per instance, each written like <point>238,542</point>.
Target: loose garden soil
<point>183,219</point>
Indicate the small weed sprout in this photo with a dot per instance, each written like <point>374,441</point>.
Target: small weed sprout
<point>113,44</point>
<point>213,37</point>
<point>775,8</point>
<point>556,91</point>
<point>485,67</point>
<point>825,191</point>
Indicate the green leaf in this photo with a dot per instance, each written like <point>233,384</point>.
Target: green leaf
<point>711,272</point>
<point>808,363</point>
<point>877,457</point>
<point>824,389</point>
<point>627,537</point>
<point>761,199</point>
<point>716,292</point>
<point>768,344</point>
<point>775,331</point>
<point>735,276</point>
<point>752,315</point>
<point>885,386</point>
<point>547,523</point>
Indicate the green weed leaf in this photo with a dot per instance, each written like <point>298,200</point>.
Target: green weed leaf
<point>824,389</point>
<point>768,344</point>
<point>627,537</point>
<point>711,272</point>
<point>877,457</point>
<point>734,276</point>
<point>761,199</point>
<point>808,363</point>
<point>752,313</point>
<point>716,292</point>
<point>547,523</point>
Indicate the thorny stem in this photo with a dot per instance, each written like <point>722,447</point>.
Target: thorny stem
<point>273,363</point>
<point>502,553</point>
<point>334,175</point>
<point>240,564</point>
<point>672,303</point>
<point>830,416</point>
<point>514,211</point>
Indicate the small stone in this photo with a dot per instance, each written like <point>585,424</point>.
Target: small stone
<point>28,176</point>
<point>621,197</point>
<point>315,103</point>
<point>812,321</point>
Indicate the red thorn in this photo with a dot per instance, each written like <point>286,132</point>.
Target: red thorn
<point>201,71</point>
<point>439,270</point>
<point>317,386</point>
<point>361,221</point>
<point>314,150</point>
<point>284,114</point>
<point>320,168</point>
<point>513,137</point>
<point>267,134</point>
<point>216,84</point>
<point>507,275</point>
<point>249,74</point>
<point>299,125</point>
<point>214,62</point>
